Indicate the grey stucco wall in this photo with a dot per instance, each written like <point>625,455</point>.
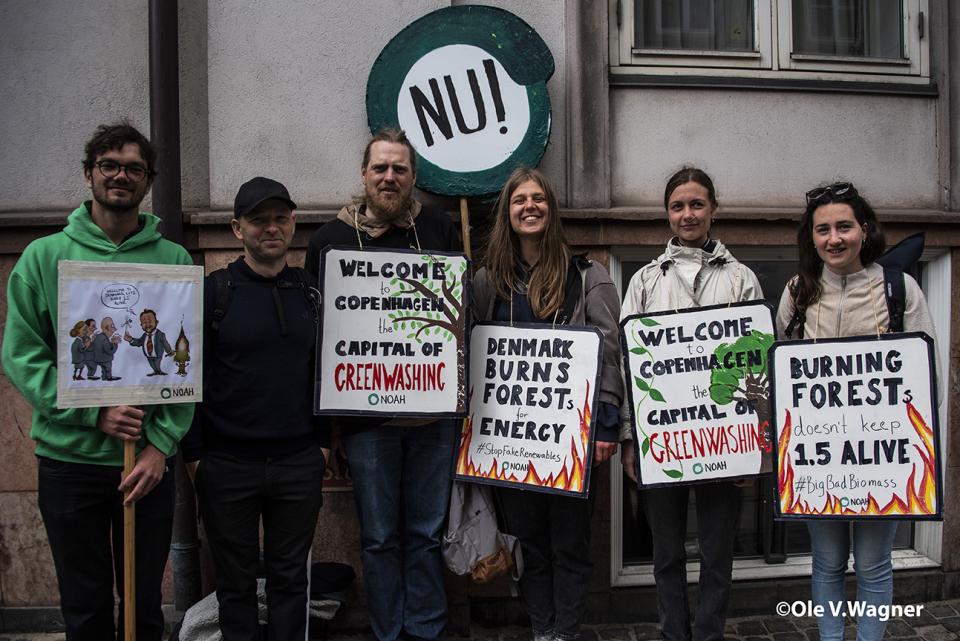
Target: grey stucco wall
<point>67,67</point>
<point>768,149</point>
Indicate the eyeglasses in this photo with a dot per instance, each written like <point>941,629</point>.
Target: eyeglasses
<point>830,193</point>
<point>135,171</point>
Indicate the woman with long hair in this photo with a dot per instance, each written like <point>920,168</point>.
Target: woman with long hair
<point>694,270</point>
<point>839,291</point>
<point>530,275</point>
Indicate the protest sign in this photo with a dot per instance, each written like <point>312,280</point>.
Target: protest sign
<point>532,398</point>
<point>857,427</point>
<point>699,393</point>
<point>468,84</point>
<point>128,334</point>
<point>392,333</point>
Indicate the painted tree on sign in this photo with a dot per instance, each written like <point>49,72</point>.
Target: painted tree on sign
<point>448,323</point>
<point>746,381</point>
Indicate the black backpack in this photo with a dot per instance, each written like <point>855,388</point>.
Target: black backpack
<point>902,258</point>
<point>223,287</point>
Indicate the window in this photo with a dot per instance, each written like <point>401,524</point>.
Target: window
<point>873,40</point>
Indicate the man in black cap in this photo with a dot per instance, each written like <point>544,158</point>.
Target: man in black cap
<point>255,450</point>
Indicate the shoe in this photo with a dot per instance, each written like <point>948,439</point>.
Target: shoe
<point>112,378</point>
<point>161,373</point>
<point>93,378</point>
<point>152,374</point>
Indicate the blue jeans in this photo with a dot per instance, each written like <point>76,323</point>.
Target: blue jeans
<point>872,543</point>
<point>401,483</point>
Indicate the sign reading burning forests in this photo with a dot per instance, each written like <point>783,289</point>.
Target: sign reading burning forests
<point>699,393</point>
<point>532,397</point>
<point>392,333</point>
<point>128,334</point>
<point>468,85</point>
<point>857,427</point>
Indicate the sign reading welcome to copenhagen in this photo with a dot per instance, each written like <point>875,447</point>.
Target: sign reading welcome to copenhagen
<point>699,392</point>
<point>392,333</point>
<point>533,390</point>
<point>468,85</point>
<point>857,422</point>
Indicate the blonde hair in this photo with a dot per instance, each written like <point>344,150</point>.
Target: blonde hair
<point>546,288</point>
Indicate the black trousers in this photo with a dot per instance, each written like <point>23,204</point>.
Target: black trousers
<point>83,515</point>
<point>717,509</point>
<point>234,495</point>
<point>554,534</point>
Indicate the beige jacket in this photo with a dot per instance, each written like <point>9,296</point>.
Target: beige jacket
<point>685,277</point>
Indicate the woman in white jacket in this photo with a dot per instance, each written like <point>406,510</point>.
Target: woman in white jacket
<point>693,271</point>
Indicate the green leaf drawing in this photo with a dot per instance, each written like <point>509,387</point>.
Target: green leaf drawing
<point>674,474</point>
<point>645,446</point>
<point>641,384</point>
<point>648,322</point>
<point>639,350</point>
<point>656,395</point>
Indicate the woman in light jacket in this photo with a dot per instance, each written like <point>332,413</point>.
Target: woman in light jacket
<point>531,276</point>
<point>840,290</point>
<point>693,271</point>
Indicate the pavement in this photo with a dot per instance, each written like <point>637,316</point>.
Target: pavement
<point>936,621</point>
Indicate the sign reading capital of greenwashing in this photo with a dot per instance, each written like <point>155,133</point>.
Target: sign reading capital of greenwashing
<point>700,396</point>
<point>469,86</point>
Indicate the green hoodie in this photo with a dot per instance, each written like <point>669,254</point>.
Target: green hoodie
<point>30,352</point>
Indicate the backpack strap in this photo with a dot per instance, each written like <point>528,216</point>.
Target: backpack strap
<point>222,295</point>
<point>797,322</point>
<point>895,291</point>
<point>300,279</point>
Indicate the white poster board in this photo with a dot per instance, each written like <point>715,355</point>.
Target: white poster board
<point>532,398</point>
<point>857,427</point>
<point>392,333</point>
<point>699,393</point>
<point>129,334</point>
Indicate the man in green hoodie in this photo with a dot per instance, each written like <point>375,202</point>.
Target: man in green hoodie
<point>80,451</point>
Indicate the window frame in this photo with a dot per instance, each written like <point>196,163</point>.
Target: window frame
<point>773,58</point>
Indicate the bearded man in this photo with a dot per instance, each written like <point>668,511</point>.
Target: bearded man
<point>400,468</point>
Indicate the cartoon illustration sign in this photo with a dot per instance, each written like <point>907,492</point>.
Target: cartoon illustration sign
<point>392,334</point>
<point>468,85</point>
<point>532,393</point>
<point>129,333</point>
<point>857,427</point>
<point>699,392</point>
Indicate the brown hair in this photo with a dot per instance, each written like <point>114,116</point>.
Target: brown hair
<point>109,137</point>
<point>397,136</point>
<point>76,328</point>
<point>806,289</point>
<point>547,282</point>
<point>688,174</point>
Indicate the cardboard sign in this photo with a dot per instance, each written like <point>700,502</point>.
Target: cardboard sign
<point>857,427</point>
<point>699,393</point>
<point>468,85</point>
<point>392,333</point>
<point>532,398</point>
<point>129,334</point>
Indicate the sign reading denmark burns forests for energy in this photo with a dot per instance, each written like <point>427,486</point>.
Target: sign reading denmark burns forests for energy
<point>857,422</point>
<point>699,392</point>
<point>532,393</point>
<point>392,334</point>
<point>468,85</point>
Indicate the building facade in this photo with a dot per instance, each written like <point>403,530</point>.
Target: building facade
<point>771,97</point>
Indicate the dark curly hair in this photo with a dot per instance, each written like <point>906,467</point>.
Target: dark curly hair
<point>806,288</point>
<point>115,136</point>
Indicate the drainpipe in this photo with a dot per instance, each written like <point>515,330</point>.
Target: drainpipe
<point>165,115</point>
<point>167,204</point>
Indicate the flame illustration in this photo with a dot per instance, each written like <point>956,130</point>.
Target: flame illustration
<point>920,499</point>
<point>570,477</point>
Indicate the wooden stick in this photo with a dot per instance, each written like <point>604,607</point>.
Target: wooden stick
<point>465,226</point>
<point>129,550</point>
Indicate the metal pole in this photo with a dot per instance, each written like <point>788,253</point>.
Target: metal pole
<point>165,115</point>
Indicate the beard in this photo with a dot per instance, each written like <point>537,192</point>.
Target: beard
<point>386,208</point>
<point>118,204</point>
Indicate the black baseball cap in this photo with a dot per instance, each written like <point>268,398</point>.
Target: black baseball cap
<point>255,191</point>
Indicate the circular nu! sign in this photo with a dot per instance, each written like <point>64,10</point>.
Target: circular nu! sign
<point>468,85</point>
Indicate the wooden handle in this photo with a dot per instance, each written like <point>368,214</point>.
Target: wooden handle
<point>129,550</point>
<point>465,226</point>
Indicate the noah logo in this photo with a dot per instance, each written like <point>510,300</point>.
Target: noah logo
<point>179,392</point>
